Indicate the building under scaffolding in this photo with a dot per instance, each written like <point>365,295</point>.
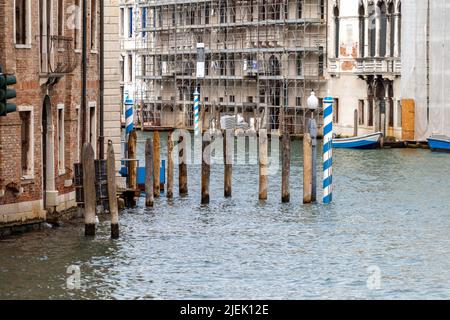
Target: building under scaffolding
<point>261,58</point>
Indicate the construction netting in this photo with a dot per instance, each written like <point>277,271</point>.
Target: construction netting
<point>426,64</point>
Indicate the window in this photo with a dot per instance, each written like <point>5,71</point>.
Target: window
<point>383,28</point>
<point>299,64</point>
<point>144,65</point>
<point>144,21</point>
<point>322,9</point>
<point>298,101</point>
<point>232,99</point>
<point>76,13</point>
<point>93,24</point>
<point>130,22</point>
<point>22,22</point>
<point>27,143</point>
<point>122,22</point>
<point>207,13</point>
<point>262,95</point>
<point>60,17</point>
<point>362,31</point>
<point>372,30</point>
<point>61,149</point>
<point>361,115</point>
<point>321,61</point>
<point>336,32</point>
<point>336,111</point>
<point>130,68</point>
<point>299,9</point>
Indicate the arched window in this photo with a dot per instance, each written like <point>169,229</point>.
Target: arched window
<point>372,29</point>
<point>336,32</point>
<point>274,66</point>
<point>383,28</point>
<point>392,28</point>
<point>362,30</point>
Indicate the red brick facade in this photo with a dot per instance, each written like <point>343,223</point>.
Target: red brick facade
<point>32,87</point>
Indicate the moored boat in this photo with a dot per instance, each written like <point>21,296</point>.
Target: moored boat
<point>369,141</point>
<point>439,143</point>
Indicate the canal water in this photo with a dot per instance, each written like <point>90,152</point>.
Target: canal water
<point>386,235</point>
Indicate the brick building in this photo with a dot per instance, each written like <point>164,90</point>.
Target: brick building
<point>40,42</point>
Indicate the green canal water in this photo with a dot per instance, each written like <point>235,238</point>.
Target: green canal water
<point>386,235</point>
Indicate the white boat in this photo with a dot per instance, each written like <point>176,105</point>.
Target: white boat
<point>369,141</point>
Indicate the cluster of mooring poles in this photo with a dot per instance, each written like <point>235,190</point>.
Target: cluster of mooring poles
<point>92,172</point>
<point>98,182</point>
<point>152,160</point>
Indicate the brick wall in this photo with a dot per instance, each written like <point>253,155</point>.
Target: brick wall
<point>31,91</point>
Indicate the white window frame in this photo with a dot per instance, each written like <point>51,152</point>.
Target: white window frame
<point>28,24</point>
<point>61,140</point>
<point>31,173</point>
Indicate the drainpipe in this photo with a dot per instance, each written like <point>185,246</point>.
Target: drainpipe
<point>101,138</point>
<point>83,78</point>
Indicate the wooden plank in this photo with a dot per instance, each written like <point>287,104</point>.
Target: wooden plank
<point>170,166</point>
<point>149,194</point>
<point>89,190</point>
<point>156,164</point>
<point>132,165</point>
<point>307,168</point>
<point>263,163</point>
<point>112,190</point>
<point>286,167</point>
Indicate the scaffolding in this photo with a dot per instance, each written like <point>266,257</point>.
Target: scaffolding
<point>262,60</point>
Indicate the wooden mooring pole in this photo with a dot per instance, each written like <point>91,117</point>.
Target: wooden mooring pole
<point>228,150</point>
<point>170,166</point>
<point>149,195</point>
<point>132,165</point>
<point>286,167</point>
<point>355,123</point>
<point>307,168</point>
<point>182,168</point>
<point>206,166</point>
<point>263,163</point>
<point>112,198</point>
<point>312,127</point>
<point>156,164</point>
<point>89,190</point>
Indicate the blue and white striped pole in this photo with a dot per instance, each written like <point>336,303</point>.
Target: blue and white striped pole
<point>196,112</point>
<point>129,119</point>
<point>328,150</point>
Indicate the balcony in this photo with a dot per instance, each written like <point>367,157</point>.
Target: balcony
<point>367,66</point>
<point>58,57</point>
<point>375,66</point>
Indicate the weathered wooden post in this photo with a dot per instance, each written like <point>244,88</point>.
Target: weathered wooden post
<point>132,165</point>
<point>149,194</point>
<point>355,123</point>
<point>170,166</point>
<point>383,129</point>
<point>206,166</point>
<point>89,189</point>
<point>312,127</point>
<point>263,163</point>
<point>307,168</point>
<point>228,150</point>
<point>182,168</point>
<point>286,167</point>
<point>112,193</point>
<point>156,165</point>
